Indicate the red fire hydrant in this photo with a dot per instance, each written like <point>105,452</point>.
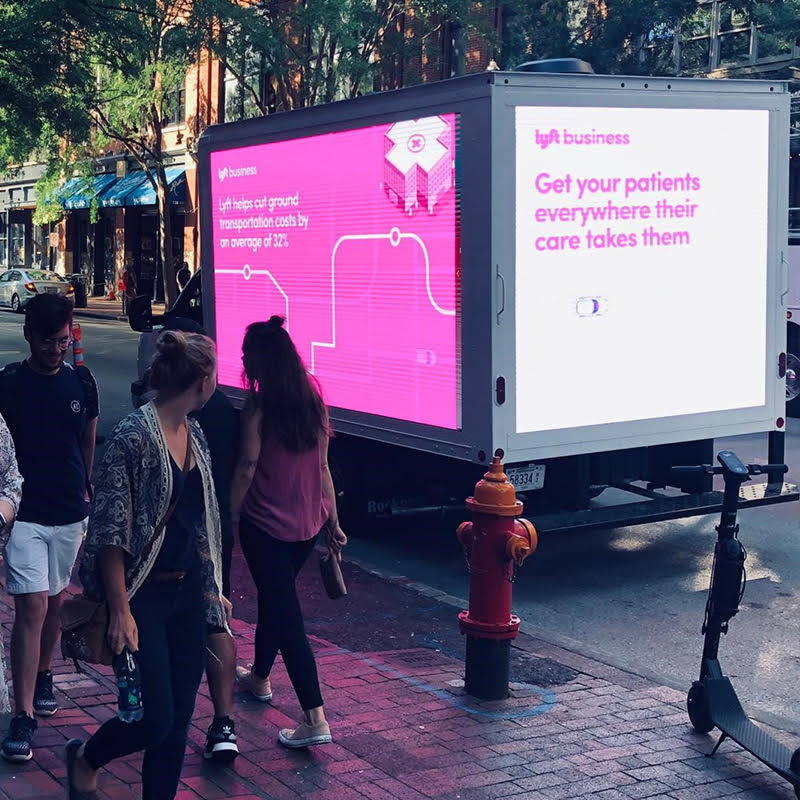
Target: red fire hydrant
<point>495,543</point>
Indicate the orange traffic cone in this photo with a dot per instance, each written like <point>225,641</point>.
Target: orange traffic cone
<point>77,345</point>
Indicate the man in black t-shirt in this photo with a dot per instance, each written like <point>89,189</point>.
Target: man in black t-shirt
<point>51,410</point>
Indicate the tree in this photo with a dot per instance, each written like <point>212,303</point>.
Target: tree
<point>287,54</point>
<point>139,53</point>
<point>43,75</point>
<point>633,37</point>
<point>614,36</point>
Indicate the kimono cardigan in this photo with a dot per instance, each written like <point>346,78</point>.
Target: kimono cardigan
<point>10,479</point>
<point>132,494</point>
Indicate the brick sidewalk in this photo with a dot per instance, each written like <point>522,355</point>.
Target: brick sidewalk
<point>403,727</point>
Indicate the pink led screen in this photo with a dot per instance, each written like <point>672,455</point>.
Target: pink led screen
<point>353,238</point>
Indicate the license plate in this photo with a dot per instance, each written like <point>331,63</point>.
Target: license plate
<point>526,479</point>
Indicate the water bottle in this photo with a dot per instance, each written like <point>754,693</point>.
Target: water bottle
<point>129,687</point>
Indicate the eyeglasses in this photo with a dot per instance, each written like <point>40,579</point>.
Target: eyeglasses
<point>62,344</point>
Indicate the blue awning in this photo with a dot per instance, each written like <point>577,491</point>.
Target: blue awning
<point>90,189</point>
<point>145,195</point>
<point>117,194</point>
<point>67,189</point>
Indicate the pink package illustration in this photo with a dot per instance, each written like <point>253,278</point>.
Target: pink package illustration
<point>353,238</point>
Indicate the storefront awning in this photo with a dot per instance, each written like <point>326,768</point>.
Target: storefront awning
<point>69,188</point>
<point>145,195</point>
<point>89,189</point>
<point>115,196</point>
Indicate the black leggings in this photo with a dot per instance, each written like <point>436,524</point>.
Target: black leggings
<point>274,566</point>
<point>170,617</point>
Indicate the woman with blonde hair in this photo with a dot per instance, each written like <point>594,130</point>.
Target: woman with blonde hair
<point>282,485</point>
<point>153,553</point>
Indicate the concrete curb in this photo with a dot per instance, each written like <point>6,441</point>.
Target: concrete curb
<point>80,312</point>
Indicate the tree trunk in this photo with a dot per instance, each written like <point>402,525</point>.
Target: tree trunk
<point>165,237</point>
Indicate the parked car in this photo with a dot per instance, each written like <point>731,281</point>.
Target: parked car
<point>18,286</point>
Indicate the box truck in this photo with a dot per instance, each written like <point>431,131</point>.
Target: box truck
<point>583,274</point>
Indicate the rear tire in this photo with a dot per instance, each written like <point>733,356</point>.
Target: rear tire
<point>15,304</point>
<point>697,706</point>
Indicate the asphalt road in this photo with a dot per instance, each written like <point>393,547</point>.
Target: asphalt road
<point>633,597</point>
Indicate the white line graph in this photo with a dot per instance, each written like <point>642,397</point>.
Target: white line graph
<point>395,237</point>
<point>247,272</point>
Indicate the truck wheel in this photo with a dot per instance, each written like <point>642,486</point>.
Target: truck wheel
<point>793,371</point>
<point>697,706</point>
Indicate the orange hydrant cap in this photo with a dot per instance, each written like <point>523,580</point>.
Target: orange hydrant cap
<point>494,494</point>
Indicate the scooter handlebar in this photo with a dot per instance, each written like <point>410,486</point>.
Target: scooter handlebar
<point>752,469</point>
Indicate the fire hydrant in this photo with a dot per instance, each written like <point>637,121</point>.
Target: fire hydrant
<point>495,543</point>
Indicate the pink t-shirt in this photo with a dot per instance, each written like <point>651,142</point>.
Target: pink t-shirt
<point>285,498</point>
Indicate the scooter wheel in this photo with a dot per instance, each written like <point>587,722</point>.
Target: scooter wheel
<point>697,706</point>
<point>794,766</point>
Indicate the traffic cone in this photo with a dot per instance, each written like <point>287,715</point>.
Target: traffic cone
<point>77,345</point>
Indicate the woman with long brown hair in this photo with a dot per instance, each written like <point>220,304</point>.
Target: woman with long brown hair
<point>283,488</point>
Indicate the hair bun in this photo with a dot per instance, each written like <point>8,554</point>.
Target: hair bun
<point>276,321</point>
<point>171,344</point>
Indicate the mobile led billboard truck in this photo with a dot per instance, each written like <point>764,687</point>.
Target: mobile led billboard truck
<point>583,272</point>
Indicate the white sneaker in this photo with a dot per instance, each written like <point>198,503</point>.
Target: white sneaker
<point>305,735</point>
<point>258,687</point>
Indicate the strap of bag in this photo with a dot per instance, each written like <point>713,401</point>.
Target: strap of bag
<point>174,501</point>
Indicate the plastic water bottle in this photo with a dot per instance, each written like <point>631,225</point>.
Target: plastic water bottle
<point>129,687</point>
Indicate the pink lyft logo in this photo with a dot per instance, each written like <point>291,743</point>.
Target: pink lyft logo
<point>416,143</point>
<point>545,138</point>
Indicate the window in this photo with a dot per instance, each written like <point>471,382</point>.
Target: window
<point>39,246</point>
<point>3,239</point>
<point>246,86</point>
<point>174,106</point>
<point>16,243</point>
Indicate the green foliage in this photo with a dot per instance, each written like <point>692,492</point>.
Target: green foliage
<point>615,36</point>
<point>43,76</point>
<point>284,55</point>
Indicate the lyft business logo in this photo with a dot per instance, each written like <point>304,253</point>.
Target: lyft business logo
<point>571,138</point>
<point>545,138</point>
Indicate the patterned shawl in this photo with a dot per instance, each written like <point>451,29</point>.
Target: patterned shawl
<point>132,493</point>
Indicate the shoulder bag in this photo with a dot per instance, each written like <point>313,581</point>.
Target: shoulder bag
<point>84,622</point>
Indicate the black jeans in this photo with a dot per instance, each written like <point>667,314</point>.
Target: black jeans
<point>170,617</point>
<point>274,566</point>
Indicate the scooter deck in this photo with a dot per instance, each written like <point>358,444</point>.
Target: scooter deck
<point>728,715</point>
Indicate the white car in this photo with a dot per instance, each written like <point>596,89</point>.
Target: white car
<point>18,286</point>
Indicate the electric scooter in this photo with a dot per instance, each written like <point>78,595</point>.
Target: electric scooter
<point>712,701</point>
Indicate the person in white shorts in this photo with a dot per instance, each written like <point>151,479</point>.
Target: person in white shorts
<point>51,409</point>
